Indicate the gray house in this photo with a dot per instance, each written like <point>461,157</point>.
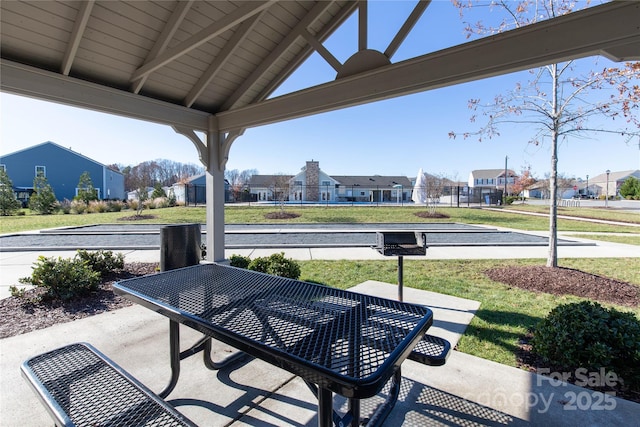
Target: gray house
<point>62,167</point>
<point>313,185</point>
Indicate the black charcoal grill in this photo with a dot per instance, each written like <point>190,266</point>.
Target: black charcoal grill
<point>401,243</point>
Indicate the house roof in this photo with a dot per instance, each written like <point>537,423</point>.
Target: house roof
<point>490,173</point>
<point>615,176</point>
<point>180,63</point>
<point>372,181</point>
<point>61,148</point>
<point>266,180</point>
<point>346,180</point>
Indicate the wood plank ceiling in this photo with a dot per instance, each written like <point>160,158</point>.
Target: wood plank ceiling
<point>179,62</point>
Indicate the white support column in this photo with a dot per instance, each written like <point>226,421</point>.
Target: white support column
<point>215,194</point>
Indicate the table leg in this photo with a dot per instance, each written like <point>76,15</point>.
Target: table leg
<point>378,417</point>
<point>400,274</point>
<point>174,353</point>
<point>325,408</point>
<point>209,363</point>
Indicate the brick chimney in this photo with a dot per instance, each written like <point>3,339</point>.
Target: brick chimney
<point>312,181</point>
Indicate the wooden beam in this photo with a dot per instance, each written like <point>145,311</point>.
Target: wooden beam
<point>33,82</point>
<point>609,29</point>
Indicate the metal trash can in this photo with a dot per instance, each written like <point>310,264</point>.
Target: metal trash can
<point>179,246</point>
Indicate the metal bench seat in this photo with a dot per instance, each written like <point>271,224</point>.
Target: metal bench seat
<point>431,350</point>
<point>80,386</point>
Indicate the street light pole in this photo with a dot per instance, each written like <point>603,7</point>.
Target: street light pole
<point>588,186</point>
<point>606,196</point>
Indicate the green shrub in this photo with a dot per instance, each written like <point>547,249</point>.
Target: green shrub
<point>589,336</point>
<point>103,262</point>
<point>276,265</point>
<point>510,199</point>
<point>114,206</point>
<point>239,261</point>
<point>63,278</point>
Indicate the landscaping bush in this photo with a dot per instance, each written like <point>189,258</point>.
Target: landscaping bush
<point>78,206</point>
<point>588,336</point>
<point>65,206</point>
<point>114,206</point>
<point>133,204</point>
<point>239,261</point>
<point>276,265</point>
<point>97,206</point>
<point>103,262</point>
<point>63,278</point>
<point>161,202</point>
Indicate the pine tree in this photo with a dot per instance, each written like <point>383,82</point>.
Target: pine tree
<point>9,205</point>
<point>86,191</point>
<point>43,200</point>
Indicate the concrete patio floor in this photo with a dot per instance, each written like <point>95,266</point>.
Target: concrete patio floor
<point>466,391</point>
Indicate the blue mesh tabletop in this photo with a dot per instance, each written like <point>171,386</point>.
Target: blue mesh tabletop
<point>346,342</point>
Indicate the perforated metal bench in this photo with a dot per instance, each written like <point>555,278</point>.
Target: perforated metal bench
<point>80,386</point>
<point>431,350</point>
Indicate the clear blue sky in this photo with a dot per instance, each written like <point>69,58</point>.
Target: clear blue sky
<point>394,137</point>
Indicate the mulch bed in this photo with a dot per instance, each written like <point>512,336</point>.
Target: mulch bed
<point>281,215</point>
<point>26,314</point>
<point>136,217</point>
<point>427,214</point>
<point>563,281</point>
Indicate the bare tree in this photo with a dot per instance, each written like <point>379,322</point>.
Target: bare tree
<point>238,181</point>
<point>280,189</point>
<point>559,101</point>
<point>434,190</point>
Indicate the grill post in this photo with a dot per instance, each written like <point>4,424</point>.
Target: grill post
<point>401,243</point>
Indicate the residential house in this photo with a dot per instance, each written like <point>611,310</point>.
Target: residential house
<point>488,185</point>
<point>610,183</point>
<point>62,167</point>
<point>491,178</point>
<point>312,185</point>
<point>193,191</point>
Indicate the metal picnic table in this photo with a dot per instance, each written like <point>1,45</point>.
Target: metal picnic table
<point>337,341</point>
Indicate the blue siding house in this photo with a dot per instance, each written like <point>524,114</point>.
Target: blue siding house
<point>62,167</point>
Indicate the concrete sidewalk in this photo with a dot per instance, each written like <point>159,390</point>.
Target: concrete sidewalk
<point>466,391</point>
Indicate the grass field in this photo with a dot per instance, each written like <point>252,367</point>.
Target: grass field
<point>505,313</point>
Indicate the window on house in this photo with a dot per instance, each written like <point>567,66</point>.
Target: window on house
<point>297,182</point>
<point>326,183</point>
<point>41,171</point>
<point>3,168</point>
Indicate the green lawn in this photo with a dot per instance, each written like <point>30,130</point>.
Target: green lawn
<point>312,214</point>
<point>596,213</point>
<point>631,239</point>
<point>505,313</point>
